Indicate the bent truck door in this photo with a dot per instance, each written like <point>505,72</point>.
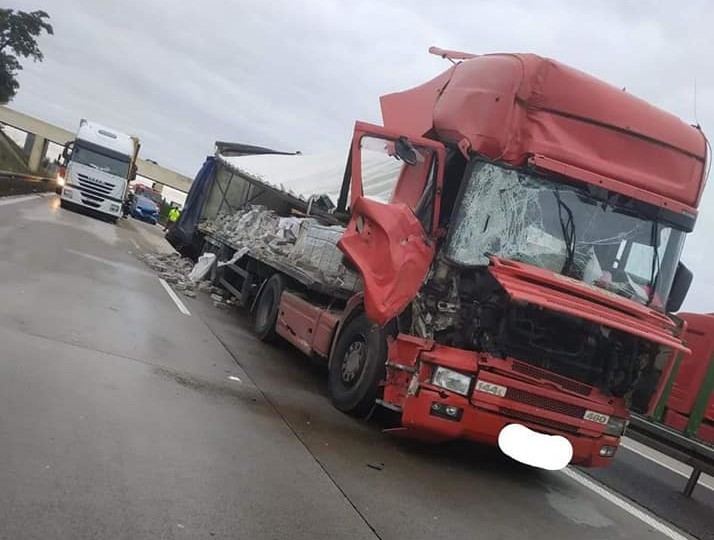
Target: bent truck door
<point>395,193</point>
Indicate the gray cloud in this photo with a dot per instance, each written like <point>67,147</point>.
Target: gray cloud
<point>297,74</point>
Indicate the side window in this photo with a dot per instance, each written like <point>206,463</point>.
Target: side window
<point>381,168</point>
<point>386,178</point>
<point>393,168</point>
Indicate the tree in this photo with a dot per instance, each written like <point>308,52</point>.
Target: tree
<point>18,33</point>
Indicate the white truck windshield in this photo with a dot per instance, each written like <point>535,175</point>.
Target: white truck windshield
<point>100,161</point>
<point>559,227</point>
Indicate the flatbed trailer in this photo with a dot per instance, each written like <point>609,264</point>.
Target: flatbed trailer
<point>243,277</point>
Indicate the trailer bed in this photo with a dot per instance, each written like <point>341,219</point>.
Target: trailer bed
<point>248,266</point>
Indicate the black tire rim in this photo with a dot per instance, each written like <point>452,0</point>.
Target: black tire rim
<point>353,361</point>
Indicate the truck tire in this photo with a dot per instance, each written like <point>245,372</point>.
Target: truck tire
<point>266,308</point>
<point>356,367</point>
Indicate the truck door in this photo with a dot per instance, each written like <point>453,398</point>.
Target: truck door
<point>394,195</point>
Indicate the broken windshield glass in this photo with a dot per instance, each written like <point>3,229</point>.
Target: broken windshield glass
<point>560,227</point>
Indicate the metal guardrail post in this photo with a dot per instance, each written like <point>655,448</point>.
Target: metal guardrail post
<point>658,413</point>
<point>691,483</point>
<point>702,401</point>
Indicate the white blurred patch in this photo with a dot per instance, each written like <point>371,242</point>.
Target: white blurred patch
<point>550,452</point>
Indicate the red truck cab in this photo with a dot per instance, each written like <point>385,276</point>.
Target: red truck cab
<point>524,267</point>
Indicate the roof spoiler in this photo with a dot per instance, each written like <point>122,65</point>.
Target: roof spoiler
<point>451,55</point>
<point>239,149</point>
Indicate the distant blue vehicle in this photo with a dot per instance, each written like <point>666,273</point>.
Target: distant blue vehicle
<point>145,209</point>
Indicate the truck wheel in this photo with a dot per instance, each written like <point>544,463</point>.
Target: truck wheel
<point>266,308</point>
<point>356,367</point>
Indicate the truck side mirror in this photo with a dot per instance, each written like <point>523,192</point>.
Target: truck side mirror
<point>132,173</point>
<point>680,286</point>
<point>406,151</point>
<point>67,152</point>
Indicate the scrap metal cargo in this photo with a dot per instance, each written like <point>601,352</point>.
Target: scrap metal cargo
<point>520,268</point>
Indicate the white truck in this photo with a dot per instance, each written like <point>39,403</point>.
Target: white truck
<point>97,167</point>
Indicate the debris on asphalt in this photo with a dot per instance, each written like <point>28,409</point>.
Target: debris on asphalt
<point>204,286</point>
<point>175,270</point>
<point>376,466</point>
<point>172,268</point>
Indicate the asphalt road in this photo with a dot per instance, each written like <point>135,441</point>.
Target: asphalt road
<point>121,417</point>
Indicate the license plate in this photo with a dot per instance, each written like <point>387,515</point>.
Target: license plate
<point>550,452</point>
<point>490,388</point>
<point>596,417</point>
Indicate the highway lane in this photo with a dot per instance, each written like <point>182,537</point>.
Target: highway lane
<point>118,418</point>
<point>122,417</point>
<point>658,489</point>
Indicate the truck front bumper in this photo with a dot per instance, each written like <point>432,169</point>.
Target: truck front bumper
<point>425,420</point>
<point>75,195</point>
<point>433,413</point>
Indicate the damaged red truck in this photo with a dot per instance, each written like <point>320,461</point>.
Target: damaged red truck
<point>523,269</point>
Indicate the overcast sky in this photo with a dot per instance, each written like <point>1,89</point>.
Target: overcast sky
<point>296,74</point>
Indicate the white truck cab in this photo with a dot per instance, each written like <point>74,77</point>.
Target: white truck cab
<point>97,168</point>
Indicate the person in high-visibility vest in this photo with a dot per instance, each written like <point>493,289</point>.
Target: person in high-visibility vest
<point>173,216</point>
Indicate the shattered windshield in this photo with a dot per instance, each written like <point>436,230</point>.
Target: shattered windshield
<point>561,227</point>
<point>100,161</point>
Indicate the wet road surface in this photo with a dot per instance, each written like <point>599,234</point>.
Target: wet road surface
<point>121,417</point>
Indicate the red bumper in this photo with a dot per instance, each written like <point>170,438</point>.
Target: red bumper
<point>481,417</point>
<point>484,426</point>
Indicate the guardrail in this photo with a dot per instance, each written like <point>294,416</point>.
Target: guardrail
<point>12,183</point>
<point>689,451</point>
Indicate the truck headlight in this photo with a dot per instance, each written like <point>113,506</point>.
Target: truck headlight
<point>451,380</point>
<point>616,426</point>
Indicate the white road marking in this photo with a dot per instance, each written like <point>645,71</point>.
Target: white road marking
<point>234,378</point>
<point>22,198</point>
<point>676,467</point>
<point>109,262</point>
<point>625,505</point>
<point>179,304</point>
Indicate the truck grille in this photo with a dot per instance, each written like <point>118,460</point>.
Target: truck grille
<point>94,186</point>
<point>90,199</point>
<point>525,417</point>
<point>545,403</point>
<point>564,382</point>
